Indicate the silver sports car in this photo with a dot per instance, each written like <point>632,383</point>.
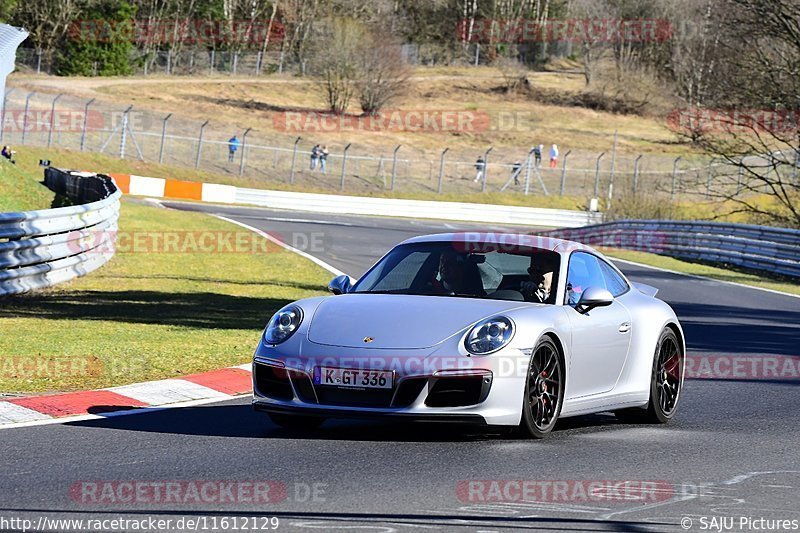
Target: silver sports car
<point>497,329</point>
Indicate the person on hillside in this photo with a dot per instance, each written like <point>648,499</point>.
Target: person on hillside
<point>233,145</point>
<point>8,153</point>
<point>537,155</point>
<point>516,168</point>
<point>315,152</point>
<point>323,159</point>
<point>480,168</point>
<point>553,156</point>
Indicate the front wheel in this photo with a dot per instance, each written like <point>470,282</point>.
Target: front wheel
<point>544,390</point>
<point>296,422</point>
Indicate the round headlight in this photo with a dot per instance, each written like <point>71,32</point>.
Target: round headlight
<point>489,335</point>
<point>283,324</point>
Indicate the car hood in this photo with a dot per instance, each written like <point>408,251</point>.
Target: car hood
<point>395,321</point>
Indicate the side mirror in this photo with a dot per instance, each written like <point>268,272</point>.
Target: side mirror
<point>593,297</point>
<point>340,285</point>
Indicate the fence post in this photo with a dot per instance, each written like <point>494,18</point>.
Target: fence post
<point>486,168</point>
<point>394,166</point>
<point>85,122</point>
<point>739,178</point>
<point>636,174</point>
<point>244,150</point>
<point>528,171</point>
<point>163,138</point>
<point>200,143</point>
<point>708,178</point>
<point>477,53</point>
<point>3,113</point>
<point>441,170</point>
<point>564,173</point>
<point>674,175</point>
<point>39,61</point>
<point>25,116</point>
<point>294,159</point>
<point>52,120</point>
<point>235,62</point>
<point>258,62</point>
<point>124,132</point>
<point>613,159</point>
<point>344,165</point>
<point>211,63</point>
<point>597,175</point>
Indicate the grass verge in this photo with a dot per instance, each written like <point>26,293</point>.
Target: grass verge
<point>699,269</point>
<point>150,313</point>
<point>20,191</point>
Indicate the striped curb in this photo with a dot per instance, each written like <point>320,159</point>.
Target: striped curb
<point>214,385</point>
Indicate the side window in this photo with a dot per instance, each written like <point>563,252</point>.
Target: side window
<point>583,272</point>
<point>614,282</point>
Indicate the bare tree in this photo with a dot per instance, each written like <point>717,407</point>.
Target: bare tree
<point>382,73</point>
<point>755,93</point>
<point>336,60</point>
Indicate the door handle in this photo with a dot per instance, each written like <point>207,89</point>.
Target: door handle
<point>625,327</point>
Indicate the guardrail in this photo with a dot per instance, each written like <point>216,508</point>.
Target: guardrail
<point>465,212</point>
<point>768,249</point>
<point>42,248</point>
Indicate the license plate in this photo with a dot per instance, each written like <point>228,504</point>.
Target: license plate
<point>349,377</point>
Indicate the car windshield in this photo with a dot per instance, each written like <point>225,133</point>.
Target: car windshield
<point>496,271</point>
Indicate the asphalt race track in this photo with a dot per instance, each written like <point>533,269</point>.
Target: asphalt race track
<point>732,451</point>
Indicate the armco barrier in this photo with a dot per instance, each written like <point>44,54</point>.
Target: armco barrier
<point>42,248</point>
<point>775,250</point>
<point>353,205</point>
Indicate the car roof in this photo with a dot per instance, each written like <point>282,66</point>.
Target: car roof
<point>542,242</point>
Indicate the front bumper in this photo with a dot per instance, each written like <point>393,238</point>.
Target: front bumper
<point>464,396</point>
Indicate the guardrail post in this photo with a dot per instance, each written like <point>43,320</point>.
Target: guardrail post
<point>344,165</point>
<point>597,174</point>
<point>441,170</point>
<point>394,166</point>
<point>564,173</point>
<point>163,138</point>
<point>294,157</point>
<point>636,174</point>
<point>25,116</point>
<point>244,150</point>
<point>3,113</point>
<point>486,168</point>
<point>674,175</point>
<point>123,137</point>
<point>52,119</point>
<point>200,143</point>
<point>85,122</point>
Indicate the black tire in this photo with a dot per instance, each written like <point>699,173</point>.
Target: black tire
<point>296,422</point>
<point>666,382</point>
<point>544,390</point>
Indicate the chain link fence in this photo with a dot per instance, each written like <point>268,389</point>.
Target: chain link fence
<point>64,121</point>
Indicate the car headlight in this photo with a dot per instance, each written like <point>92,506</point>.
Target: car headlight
<point>489,335</point>
<point>283,324</point>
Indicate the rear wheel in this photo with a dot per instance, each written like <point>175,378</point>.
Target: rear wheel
<point>544,390</point>
<point>666,381</point>
<point>296,421</point>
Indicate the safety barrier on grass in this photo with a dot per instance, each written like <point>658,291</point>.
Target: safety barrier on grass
<point>43,248</point>
<point>353,205</point>
<point>768,249</point>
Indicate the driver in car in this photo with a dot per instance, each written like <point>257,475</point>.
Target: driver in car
<point>450,276</point>
<point>541,271</point>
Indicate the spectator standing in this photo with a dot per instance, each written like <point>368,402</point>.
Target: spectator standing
<point>314,157</point>
<point>553,156</point>
<point>480,167</point>
<point>537,155</point>
<point>323,159</point>
<point>233,145</point>
<point>516,168</point>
